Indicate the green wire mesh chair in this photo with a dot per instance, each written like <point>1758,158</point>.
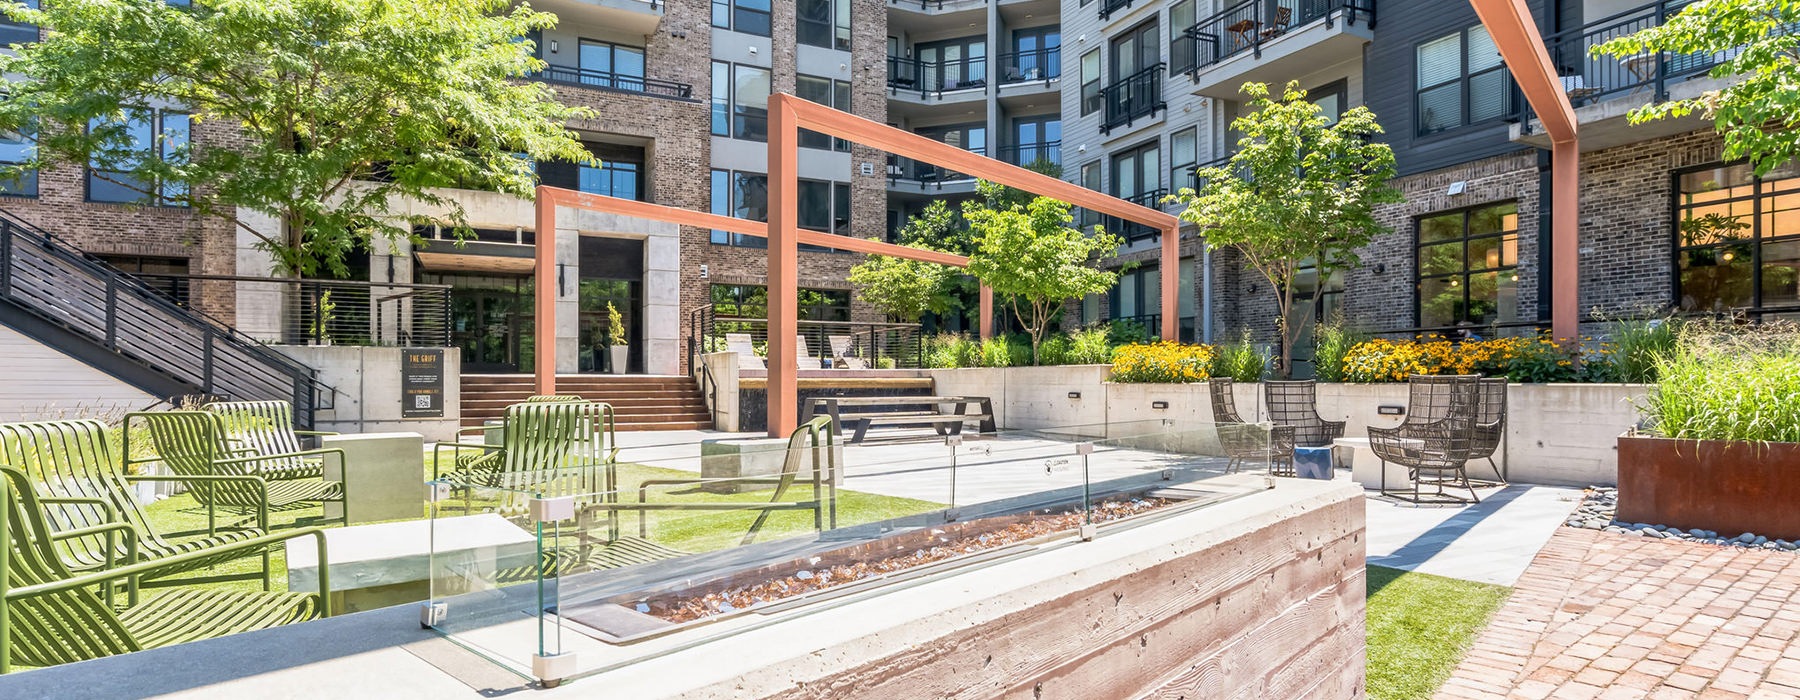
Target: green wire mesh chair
<point>267,428</point>
<point>50,615</point>
<point>81,483</point>
<point>195,443</point>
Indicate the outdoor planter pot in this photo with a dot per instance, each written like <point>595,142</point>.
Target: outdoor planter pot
<point>619,353</point>
<point>1726,486</point>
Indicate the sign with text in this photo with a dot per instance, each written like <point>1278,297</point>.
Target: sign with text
<point>422,383</point>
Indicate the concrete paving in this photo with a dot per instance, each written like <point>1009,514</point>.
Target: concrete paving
<point>1491,542</point>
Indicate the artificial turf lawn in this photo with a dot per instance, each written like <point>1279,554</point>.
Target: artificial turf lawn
<point>690,531</point>
<point>1419,627</point>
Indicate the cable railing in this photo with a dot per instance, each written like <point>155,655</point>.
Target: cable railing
<point>336,312</point>
<point>866,345</point>
<point>934,78</point>
<point>1132,97</point>
<point>1023,154</point>
<point>1247,26</point>
<point>84,296</point>
<point>1042,64</point>
<point>566,75</point>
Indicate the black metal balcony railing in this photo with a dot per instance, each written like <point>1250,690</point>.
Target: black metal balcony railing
<point>1198,181</point>
<point>1108,7</point>
<point>1133,231</point>
<point>566,75</point>
<point>934,78</point>
<point>1248,25</point>
<point>1027,153</point>
<point>1133,97</point>
<point>925,174</point>
<point>1028,66</point>
<point>1588,78</point>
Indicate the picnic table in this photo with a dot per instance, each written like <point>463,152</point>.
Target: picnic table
<point>928,410</point>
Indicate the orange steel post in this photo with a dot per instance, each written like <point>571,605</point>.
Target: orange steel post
<point>1171,282</point>
<point>544,349</point>
<point>987,312</point>
<point>784,253</point>
<point>1515,34</point>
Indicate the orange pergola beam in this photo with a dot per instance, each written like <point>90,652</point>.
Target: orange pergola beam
<point>789,114</point>
<point>1516,35</point>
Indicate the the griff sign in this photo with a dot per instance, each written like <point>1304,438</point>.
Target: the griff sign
<point>422,383</point>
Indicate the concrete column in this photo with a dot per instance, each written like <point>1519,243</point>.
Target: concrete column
<point>566,280</point>
<point>662,304</point>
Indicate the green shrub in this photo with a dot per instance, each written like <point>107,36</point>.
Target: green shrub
<point>1126,332</point>
<point>1089,346</point>
<point>1054,350</point>
<point>884,363</point>
<point>1241,360</point>
<point>1721,383</point>
<point>950,351</point>
<point>1637,345</point>
<point>1332,340</point>
<point>995,352</point>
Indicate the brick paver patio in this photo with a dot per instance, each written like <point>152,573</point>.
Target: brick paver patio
<point>1601,615</point>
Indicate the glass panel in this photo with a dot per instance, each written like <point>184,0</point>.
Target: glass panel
<point>815,205</point>
<point>1716,179</point>
<point>1493,252</point>
<point>175,129</point>
<point>840,209</point>
<point>1440,108</point>
<point>1440,61</point>
<point>1482,52</point>
<point>750,197</point>
<point>1440,259</point>
<point>596,56</point>
<point>1488,96</point>
<point>1440,301</point>
<point>628,62</point>
<point>750,103</point>
<point>1494,219</point>
<point>721,98</point>
<point>1781,273</point>
<point>1715,279</point>
<point>1440,228</point>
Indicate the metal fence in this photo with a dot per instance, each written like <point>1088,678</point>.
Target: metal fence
<point>330,312</point>
<point>874,345</point>
<point>1247,26</point>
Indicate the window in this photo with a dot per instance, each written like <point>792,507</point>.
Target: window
<point>1737,238</point>
<point>1036,139</point>
<point>740,195</point>
<point>1136,50</point>
<point>1037,54</point>
<point>740,101</point>
<point>1184,155</point>
<point>825,206</point>
<point>148,135</point>
<point>12,32</point>
<point>1137,173</point>
<point>954,64</point>
<point>1460,81</point>
<point>828,92</point>
<point>1331,100</point>
<point>747,16</point>
<point>752,301</point>
<point>1183,52</point>
<point>16,148</point>
<point>824,23</point>
<point>613,179</point>
<point>1137,296</point>
<point>1090,178</point>
<point>166,276</point>
<point>969,137</point>
<point>1090,82</point>
<point>609,65</point>
<point>1468,266</point>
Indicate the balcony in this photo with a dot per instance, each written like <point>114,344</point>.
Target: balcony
<point>1133,231</point>
<point>1269,41</point>
<point>1037,65</point>
<point>1135,97</point>
<point>1023,154</point>
<point>1109,7</point>
<point>909,176</point>
<point>1603,89</point>
<point>613,82</point>
<point>639,17</point>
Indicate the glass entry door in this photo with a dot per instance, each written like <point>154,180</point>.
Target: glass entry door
<point>490,321</point>
<point>596,326</point>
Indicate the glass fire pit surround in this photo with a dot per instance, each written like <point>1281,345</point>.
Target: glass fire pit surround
<point>614,555</point>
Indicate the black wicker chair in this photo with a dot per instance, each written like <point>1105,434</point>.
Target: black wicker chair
<point>1490,427</point>
<point>1243,445</point>
<point>1295,404</point>
<point>1436,440</point>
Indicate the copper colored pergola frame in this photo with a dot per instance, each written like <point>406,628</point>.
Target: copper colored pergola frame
<point>787,116</point>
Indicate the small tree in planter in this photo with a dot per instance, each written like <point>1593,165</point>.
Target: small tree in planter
<point>1035,262</point>
<point>616,339</point>
<point>1300,191</point>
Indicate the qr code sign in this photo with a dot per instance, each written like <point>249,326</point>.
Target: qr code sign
<point>422,401</point>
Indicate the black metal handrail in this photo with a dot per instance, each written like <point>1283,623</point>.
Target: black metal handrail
<point>1027,66</point>
<point>602,80</point>
<point>344,312</point>
<point>934,78</point>
<point>1248,25</point>
<point>1132,97</point>
<point>87,297</point>
<point>1027,153</point>
<point>1133,231</point>
<point>1588,78</point>
<point>1108,7</point>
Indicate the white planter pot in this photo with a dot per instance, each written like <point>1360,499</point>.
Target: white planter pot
<point>619,353</point>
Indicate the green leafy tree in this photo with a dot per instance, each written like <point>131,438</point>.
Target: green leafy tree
<point>905,289</point>
<point>1035,262</point>
<point>1300,191</point>
<point>329,111</point>
<point>1761,53</point>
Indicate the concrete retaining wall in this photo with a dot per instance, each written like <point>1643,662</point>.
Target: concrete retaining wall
<point>366,382</point>
<point>1556,433</point>
<point>724,403</point>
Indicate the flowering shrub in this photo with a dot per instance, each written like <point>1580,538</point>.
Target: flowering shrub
<point>1162,363</point>
<point>1522,359</point>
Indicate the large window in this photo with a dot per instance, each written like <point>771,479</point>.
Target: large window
<point>740,195</point>
<point>1184,155</point>
<point>610,65</point>
<point>954,64</point>
<point>166,276</point>
<point>1036,139</point>
<point>828,92</point>
<point>1468,266</point>
<point>1137,296</point>
<point>15,148</point>
<point>825,206</point>
<point>613,179</point>
<point>752,301</point>
<point>1090,82</point>
<point>740,101</point>
<point>147,135</point>
<point>1737,239</point>
<point>1137,174</point>
<point>824,23</point>
<point>1090,178</point>
<point>1460,81</point>
<point>12,32</point>
<point>747,16</point>
<point>1037,54</point>
<point>1183,54</point>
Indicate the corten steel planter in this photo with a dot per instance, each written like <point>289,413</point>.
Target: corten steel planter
<point>1726,486</point>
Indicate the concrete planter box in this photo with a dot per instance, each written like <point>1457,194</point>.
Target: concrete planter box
<point>1721,485</point>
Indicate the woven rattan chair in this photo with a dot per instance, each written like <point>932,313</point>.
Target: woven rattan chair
<point>1490,426</point>
<point>1243,445</point>
<point>1435,441</point>
<point>1295,404</point>
<point>54,616</point>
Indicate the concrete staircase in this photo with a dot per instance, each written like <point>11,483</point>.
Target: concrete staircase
<point>642,402</point>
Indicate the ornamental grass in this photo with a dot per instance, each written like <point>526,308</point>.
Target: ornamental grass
<point>1724,383</point>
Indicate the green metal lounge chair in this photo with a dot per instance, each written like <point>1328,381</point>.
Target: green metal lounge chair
<point>569,439</point>
<point>81,483</point>
<point>195,443</point>
<point>812,439</point>
<point>50,615</point>
<point>267,428</point>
